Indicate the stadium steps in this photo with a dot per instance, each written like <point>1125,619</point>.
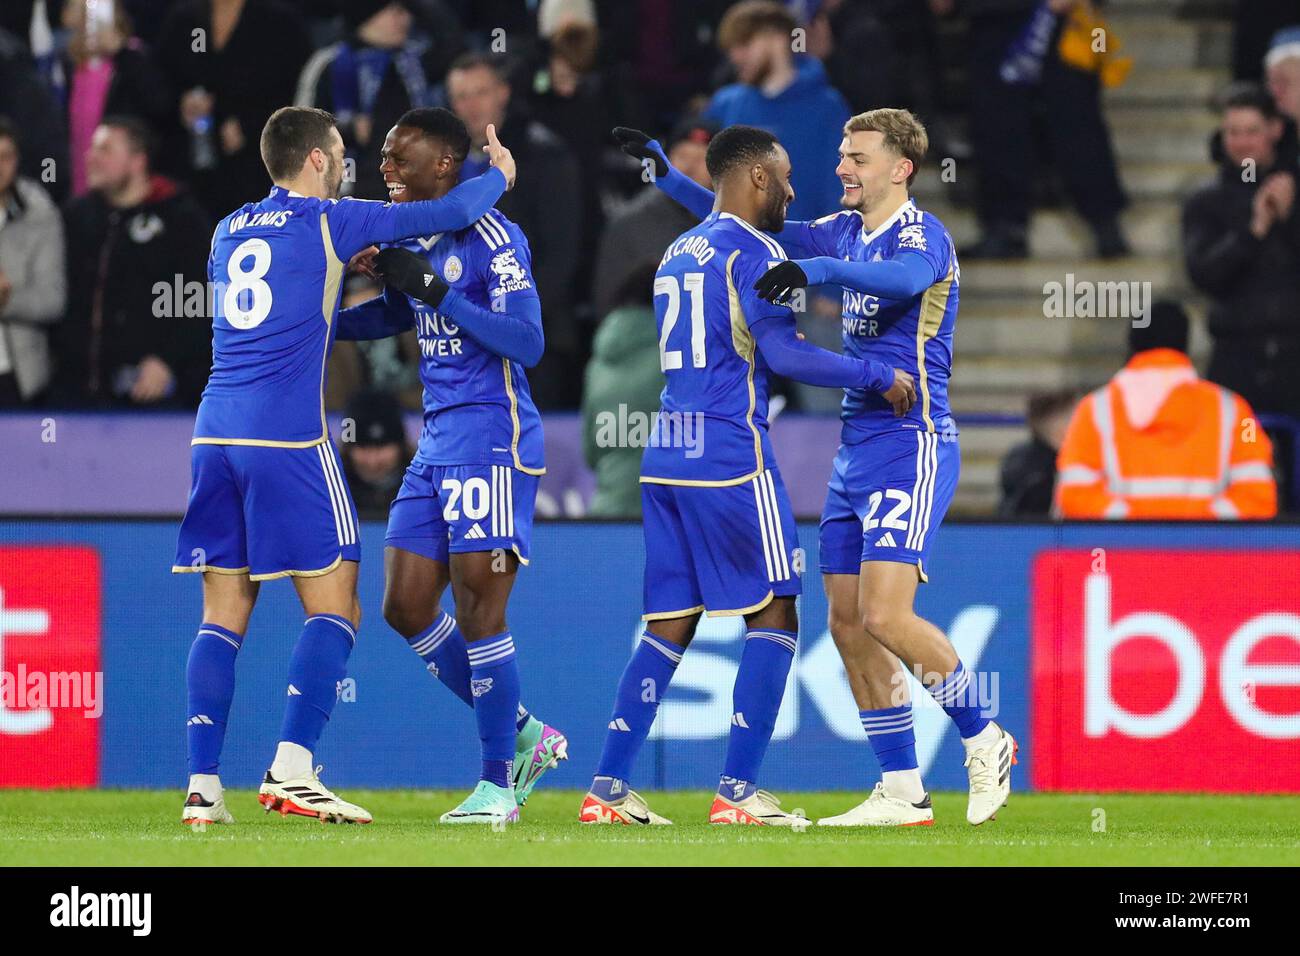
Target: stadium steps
<point>1161,120</point>
<point>1151,226</point>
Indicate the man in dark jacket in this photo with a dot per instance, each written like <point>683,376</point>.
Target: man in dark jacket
<point>546,203</point>
<point>225,89</point>
<point>1027,478</point>
<point>32,107</point>
<point>645,227</point>
<point>1002,132</point>
<point>137,331</point>
<point>1241,240</point>
<point>385,65</point>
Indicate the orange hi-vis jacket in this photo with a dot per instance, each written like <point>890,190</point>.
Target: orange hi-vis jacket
<point>1156,441</point>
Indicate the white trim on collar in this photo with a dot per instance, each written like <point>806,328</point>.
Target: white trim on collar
<point>880,229</point>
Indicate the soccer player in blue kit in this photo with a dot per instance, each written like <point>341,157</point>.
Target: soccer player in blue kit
<point>268,498</point>
<point>464,513</point>
<point>893,477</point>
<point>719,533</point>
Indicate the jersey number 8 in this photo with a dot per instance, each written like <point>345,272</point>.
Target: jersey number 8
<point>247,285</point>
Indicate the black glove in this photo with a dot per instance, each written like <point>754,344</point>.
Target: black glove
<point>779,281</point>
<point>637,145</point>
<point>412,274</point>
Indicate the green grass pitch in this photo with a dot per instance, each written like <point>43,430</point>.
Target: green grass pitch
<point>125,827</point>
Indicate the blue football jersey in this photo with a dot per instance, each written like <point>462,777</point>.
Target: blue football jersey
<point>914,334</point>
<point>477,405</point>
<point>276,271</point>
<point>712,425</point>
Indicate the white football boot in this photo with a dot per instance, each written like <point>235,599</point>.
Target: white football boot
<point>760,808</point>
<point>308,797</point>
<point>988,768</point>
<point>199,812</point>
<point>629,809</point>
<point>882,810</point>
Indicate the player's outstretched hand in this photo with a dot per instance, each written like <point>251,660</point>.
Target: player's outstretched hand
<point>902,394</point>
<point>778,282</point>
<point>363,263</point>
<point>637,145</point>
<point>499,156</point>
<point>409,273</point>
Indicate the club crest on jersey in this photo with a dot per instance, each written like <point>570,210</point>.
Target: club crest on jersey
<point>912,237</point>
<point>452,269</point>
<point>512,275</point>
<point>480,686</point>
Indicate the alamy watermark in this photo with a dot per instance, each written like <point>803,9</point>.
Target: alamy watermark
<point>631,428</point>
<point>1085,299</point>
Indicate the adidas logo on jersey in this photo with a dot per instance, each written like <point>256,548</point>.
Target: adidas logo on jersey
<point>294,692</point>
<point>886,540</point>
<point>618,723</point>
<point>738,720</point>
<point>474,532</point>
<point>428,280</point>
<point>199,720</point>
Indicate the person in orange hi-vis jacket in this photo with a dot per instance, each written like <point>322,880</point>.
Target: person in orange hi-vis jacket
<point>1158,441</point>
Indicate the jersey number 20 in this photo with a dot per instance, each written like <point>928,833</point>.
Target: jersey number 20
<point>247,285</point>
<point>693,283</point>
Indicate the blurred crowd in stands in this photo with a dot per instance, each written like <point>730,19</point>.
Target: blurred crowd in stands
<point>128,128</point>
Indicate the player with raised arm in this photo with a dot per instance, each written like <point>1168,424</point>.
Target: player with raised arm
<point>893,477</point>
<point>268,498</point>
<point>719,533</point>
<point>464,513</point>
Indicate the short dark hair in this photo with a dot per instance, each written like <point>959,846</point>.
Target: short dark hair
<point>742,22</point>
<point>440,124</point>
<point>1166,328</point>
<point>1043,404</point>
<point>473,60</point>
<point>290,135</point>
<point>139,134</point>
<point>737,146</point>
<point>1248,96</point>
<point>10,132</point>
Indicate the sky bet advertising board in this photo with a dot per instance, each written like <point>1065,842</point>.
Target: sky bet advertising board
<point>1122,657</point>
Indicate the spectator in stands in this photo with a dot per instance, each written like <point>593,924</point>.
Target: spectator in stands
<point>1241,242</point>
<point>647,224</point>
<point>569,97</point>
<point>126,341</point>
<point>31,277</point>
<point>546,203</point>
<point>1255,25</point>
<point>623,383</point>
<point>375,452</point>
<point>788,96</point>
<point>381,69</point>
<point>107,73</point>
<point>659,55</point>
<point>1028,477</point>
<point>1159,442</point>
<point>33,108</point>
<point>879,52</point>
<point>1282,67</point>
<point>1002,134</point>
<point>244,68</point>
